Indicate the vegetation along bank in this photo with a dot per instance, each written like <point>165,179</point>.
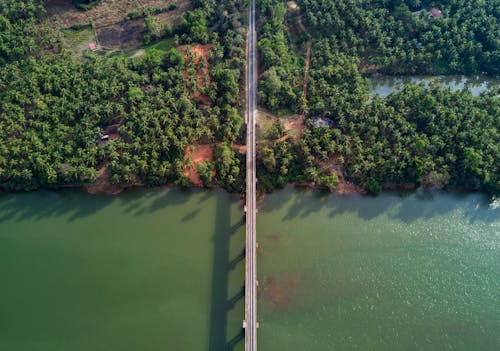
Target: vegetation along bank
<point>126,96</point>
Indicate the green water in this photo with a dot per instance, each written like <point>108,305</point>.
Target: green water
<point>163,270</point>
<point>148,270</point>
<point>419,272</point>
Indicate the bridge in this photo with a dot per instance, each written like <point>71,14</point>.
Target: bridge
<point>250,323</point>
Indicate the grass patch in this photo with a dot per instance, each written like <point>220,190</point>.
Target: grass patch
<point>284,112</point>
<point>120,53</point>
<point>77,40</point>
<point>265,122</point>
<point>163,45</point>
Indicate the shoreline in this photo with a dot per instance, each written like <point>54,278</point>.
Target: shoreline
<point>115,190</point>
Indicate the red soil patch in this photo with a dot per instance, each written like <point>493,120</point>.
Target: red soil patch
<point>198,50</point>
<point>344,187</point>
<point>201,153</point>
<point>283,138</point>
<point>242,149</point>
<point>199,53</point>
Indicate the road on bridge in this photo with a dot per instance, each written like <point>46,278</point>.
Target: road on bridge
<point>251,208</point>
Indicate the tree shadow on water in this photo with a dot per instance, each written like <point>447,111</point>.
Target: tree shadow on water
<point>406,207</point>
<point>222,304</point>
<point>44,204</point>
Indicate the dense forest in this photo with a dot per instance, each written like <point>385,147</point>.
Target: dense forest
<point>54,110</point>
<point>422,135</point>
<point>399,36</point>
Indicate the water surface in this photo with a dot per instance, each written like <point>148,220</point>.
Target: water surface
<point>147,270</point>
<point>413,272</point>
<point>384,85</point>
<point>164,270</point>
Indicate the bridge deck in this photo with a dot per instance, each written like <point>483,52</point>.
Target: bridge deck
<point>250,323</point>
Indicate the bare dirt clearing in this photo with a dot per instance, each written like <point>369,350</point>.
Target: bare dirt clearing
<point>344,187</point>
<point>109,12</point>
<point>102,184</point>
<point>294,124</point>
<point>196,54</point>
<point>108,18</point>
<point>173,17</point>
<point>121,35</point>
<point>193,155</point>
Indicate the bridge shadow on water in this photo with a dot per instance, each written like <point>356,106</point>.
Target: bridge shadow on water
<point>226,300</point>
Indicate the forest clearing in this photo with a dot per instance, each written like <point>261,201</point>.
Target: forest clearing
<point>111,24</point>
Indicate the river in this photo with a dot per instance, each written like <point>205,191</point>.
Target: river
<point>163,270</point>
<point>384,85</point>
<point>147,270</point>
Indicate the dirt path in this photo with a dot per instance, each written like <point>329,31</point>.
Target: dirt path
<point>308,65</point>
<point>301,25</point>
<point>303,29</point>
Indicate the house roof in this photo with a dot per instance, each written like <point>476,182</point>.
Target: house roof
<point>92,46</point>
<point>435,12</point>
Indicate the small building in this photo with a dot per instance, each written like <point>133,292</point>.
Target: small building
<point>110,133</point>
<point>92,46</point>
<point>435,13</point>
<point>320,122</point>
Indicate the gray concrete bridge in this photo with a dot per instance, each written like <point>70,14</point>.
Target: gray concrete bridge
<point>250,323</point>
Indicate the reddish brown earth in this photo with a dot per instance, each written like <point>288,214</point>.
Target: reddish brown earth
<point>200,53</point>
<point>242,149</point>
<point>201,153</point>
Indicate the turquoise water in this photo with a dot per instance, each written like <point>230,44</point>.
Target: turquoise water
<point>148,270</point>
<point>163,269</point>
<point>413,272</point>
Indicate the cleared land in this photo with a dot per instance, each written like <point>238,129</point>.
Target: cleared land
<point>196,54</point>
<point>294,124</point>
<point>111,28</point>
<point>193,155</point>
<point>109,12</point>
